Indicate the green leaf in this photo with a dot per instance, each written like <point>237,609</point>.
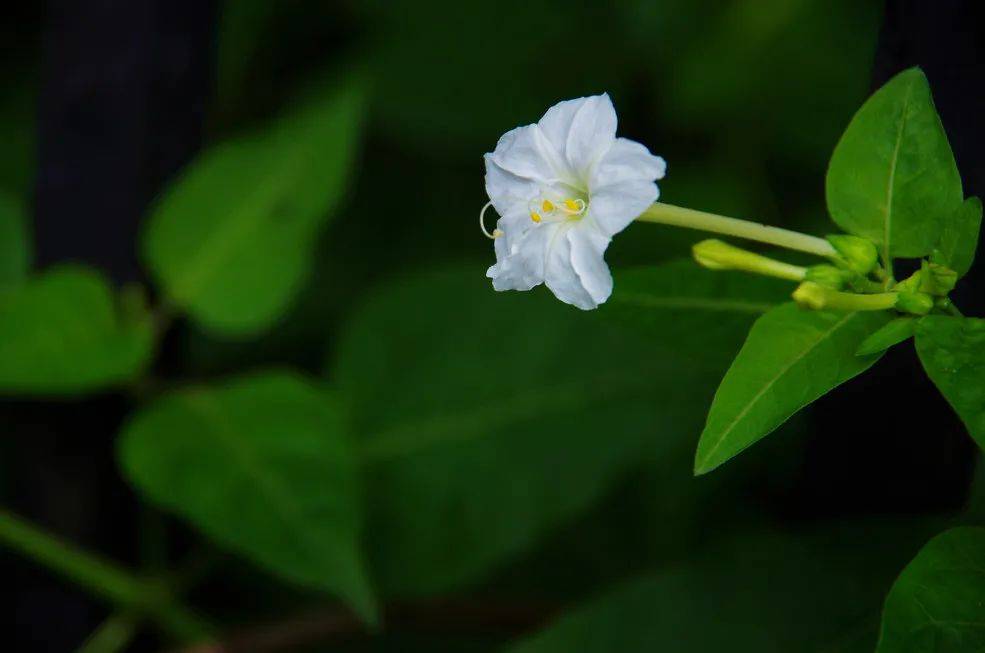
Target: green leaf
<point>952,350</point>
<point>900,329</point>
<point>768,594</point>
<point>938,602</point>
<point>488,420</point>
<point>15,247</point>
<point>232,241</point>
<point>262,465</point>
<point>959,238</point>
<point>679,301</point>
<point>63,333</point>
<point>892,177</point>
<point>790,358</point>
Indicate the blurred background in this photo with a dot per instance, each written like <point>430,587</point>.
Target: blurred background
<point>529,511</point>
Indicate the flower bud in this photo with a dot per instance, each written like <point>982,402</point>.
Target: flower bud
<point>939,279</point>
<point>717,255</point>
<point>828,276</point>
<point>858,254</point>
<point>917,303</point>
<point>810,295</point>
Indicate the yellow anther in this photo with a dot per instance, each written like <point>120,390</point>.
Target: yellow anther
<point>572,205</point>
<point>535,216</point>
<point>547,206</point>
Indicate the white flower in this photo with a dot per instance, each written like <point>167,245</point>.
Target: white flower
<point>563,188</point>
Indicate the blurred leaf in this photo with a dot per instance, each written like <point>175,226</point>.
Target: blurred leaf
<point>679,301</point>
<point>952,351</point>
<point>938,602</point>
<point>744,65</point>
<point>263,466</point>
<point>454,76</point>
<point>761,594</point>
<point>790,358</point>
<point>959,237</point>
<point>15,243</point>
<point>900,329</point>
<point>62,333</point>
<point>892,177</point>
<point>231,241</point>
<point>487,420</point>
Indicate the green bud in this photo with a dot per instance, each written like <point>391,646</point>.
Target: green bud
<point>828,276</point>
<point>817,297</point>
<point>858,254</point>
<point>917,303</point>
<point>939,279</point>
<point>717,255</point>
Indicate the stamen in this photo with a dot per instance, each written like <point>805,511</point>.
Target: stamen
<point>482,224</point>
<point>574,206</point>
<point>535,216</point>
<point>547,206</point>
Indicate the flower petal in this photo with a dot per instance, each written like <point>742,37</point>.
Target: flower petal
<point>560,275</point>
<point>588,247</point>
<point>592,133</point>
<point>627,160</point>
<point>520,264</point>
<point>520,152</point>
<point>508,192</point>
<point>615,206</point>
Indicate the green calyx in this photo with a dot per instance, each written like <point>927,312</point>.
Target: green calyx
<point>856,254</point>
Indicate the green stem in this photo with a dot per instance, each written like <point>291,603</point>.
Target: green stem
<point>680,217</point>
<point>101,578</point>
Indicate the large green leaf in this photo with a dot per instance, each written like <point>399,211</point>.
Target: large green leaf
<point>893,333</point>
<point>938,602</point>
<point>262,465</point>
<point>790,358</point>
<point>959,237</point>
<point>486,420</point>
<point>680,301</point>
<point>231,242</point>
<point>759,594</point>
<point>63,333</point>
<point>952,351</point>
<point>15,247</point>
<point>892,177</point>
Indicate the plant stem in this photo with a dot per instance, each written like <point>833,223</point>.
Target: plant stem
<point>680,217</point>
<point>101,578</point>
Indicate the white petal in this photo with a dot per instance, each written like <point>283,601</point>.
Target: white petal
<point>592,133</point>
<point>615,206</point>
<point>520,265</point>
<point>560,275</point>
<point>627,160</point>
<point>508,192</point>
<point>520,152</point>
<point>588,246</point>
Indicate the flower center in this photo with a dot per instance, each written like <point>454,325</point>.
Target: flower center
<point>545,210</point>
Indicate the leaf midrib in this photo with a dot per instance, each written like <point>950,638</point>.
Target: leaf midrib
<point>762,391</point>
<point>891,181</point>
<point>479,421</point>
<point>269,484</point>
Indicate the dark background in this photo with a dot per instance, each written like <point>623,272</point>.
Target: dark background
<point>105,101</point>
